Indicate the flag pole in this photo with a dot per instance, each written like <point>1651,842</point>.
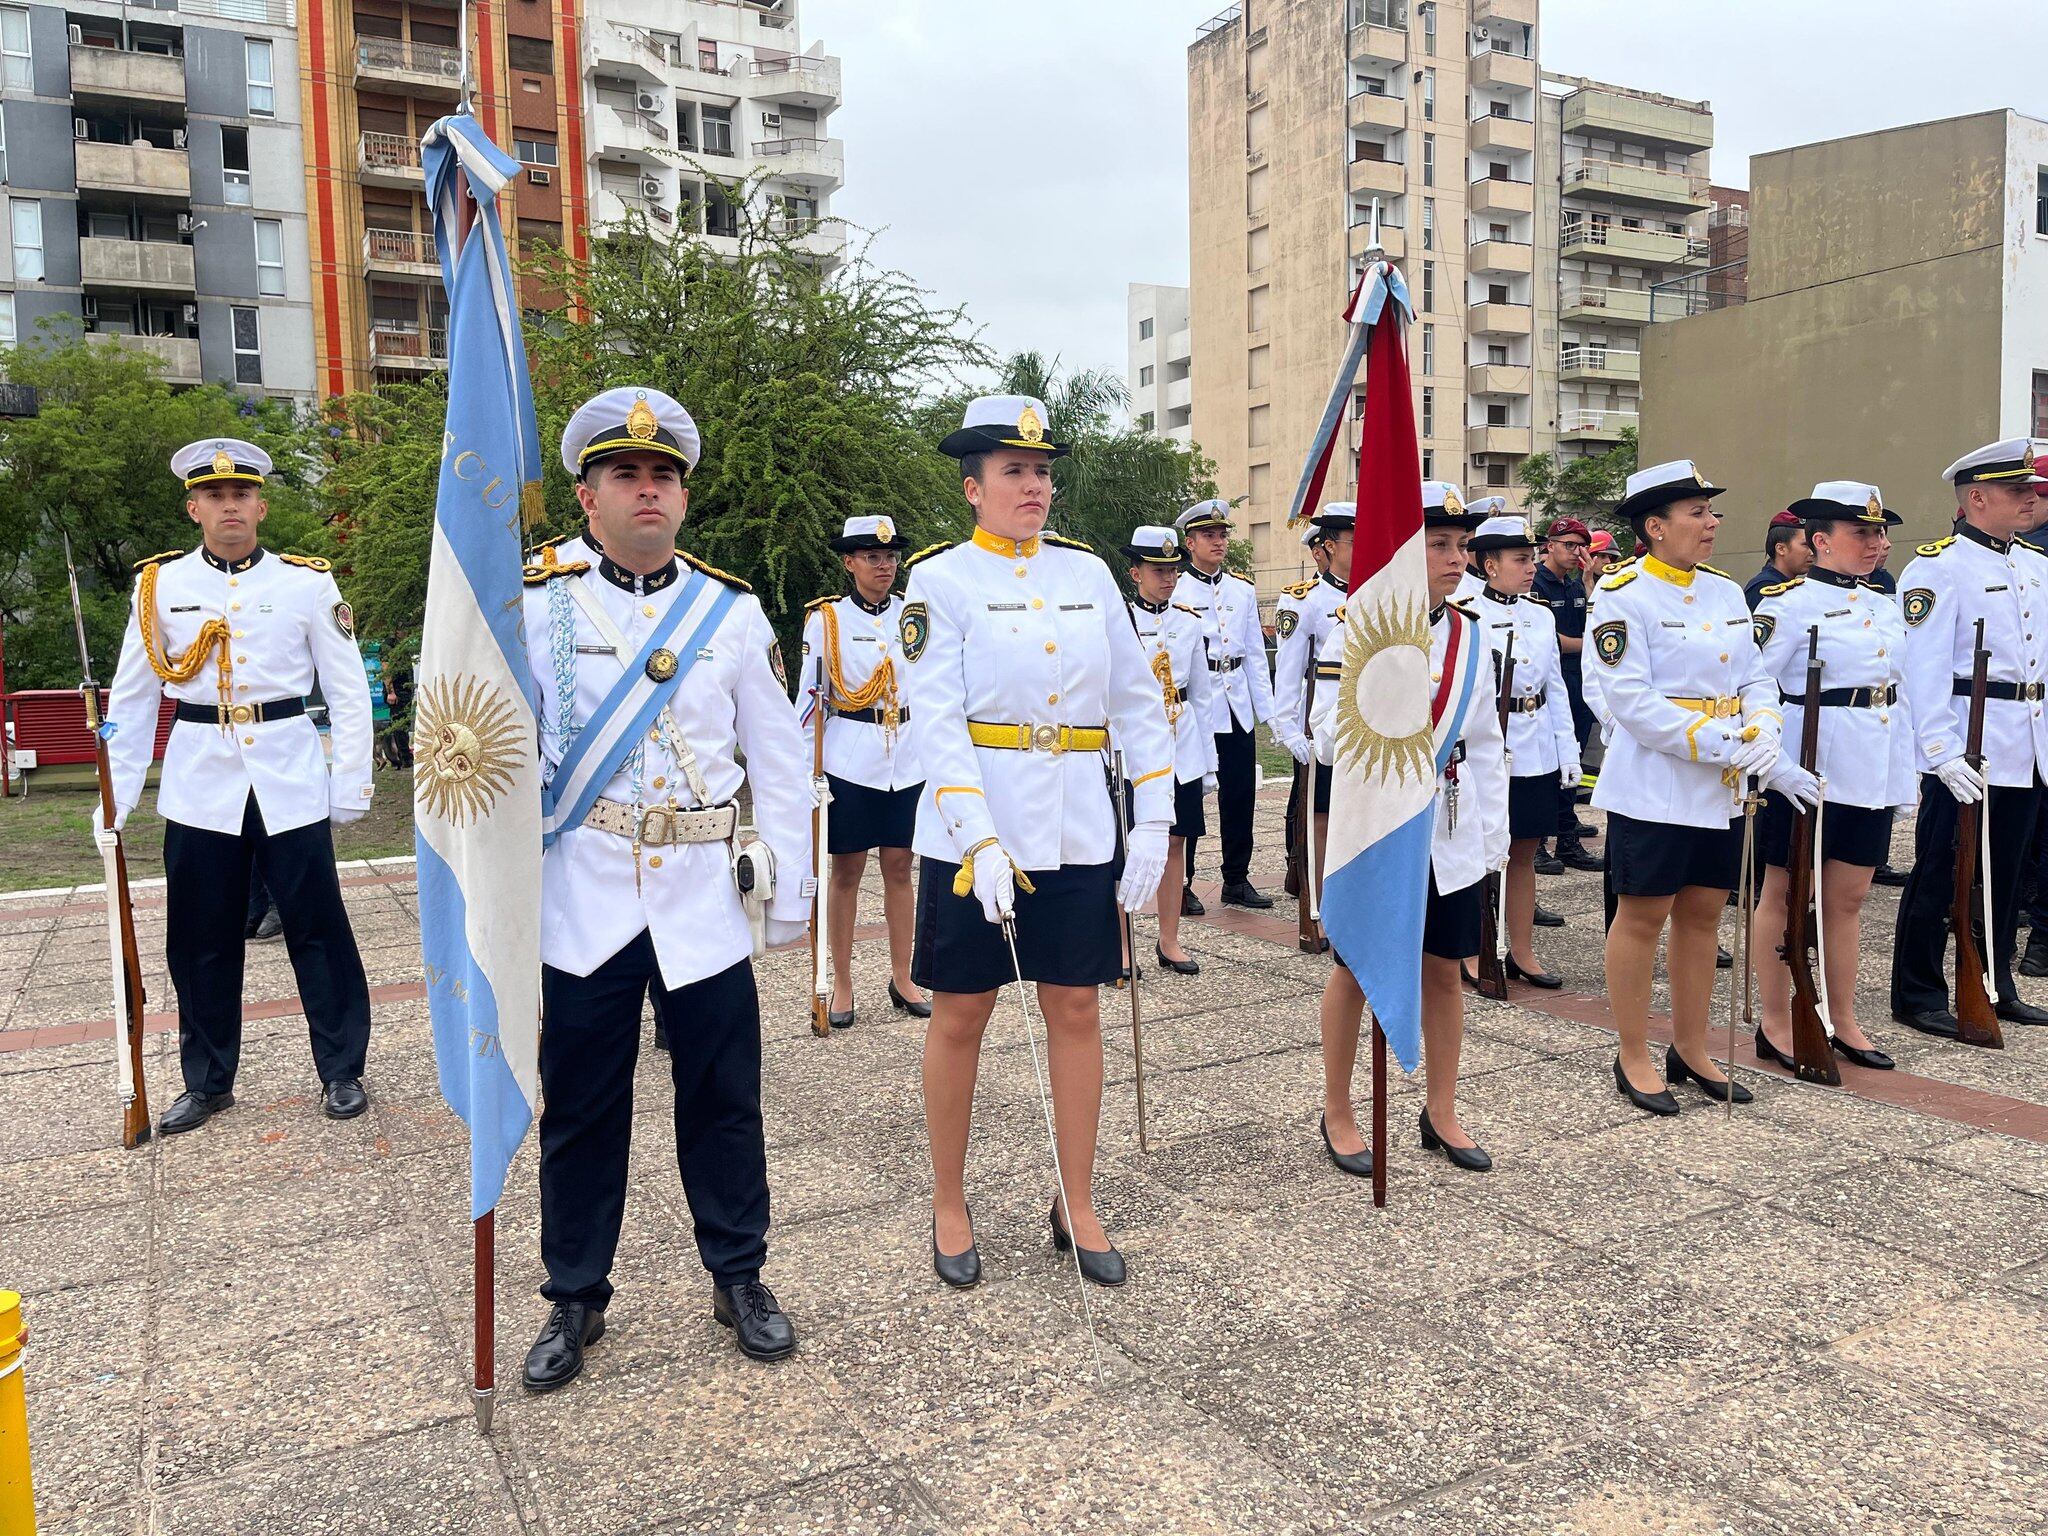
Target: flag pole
<point>1379,1115</point>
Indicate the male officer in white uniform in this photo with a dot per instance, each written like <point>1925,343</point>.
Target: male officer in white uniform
<point>239,636</point>
<point>1304,615</point>
<point>1981,571</point>
<point>1229,606</point>
<point>639,881</point>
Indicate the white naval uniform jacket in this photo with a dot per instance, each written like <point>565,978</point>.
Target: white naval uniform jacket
<point>1459,855</point>
<point>1178,632</point>
<point>730,704</point>
<point>1229,606</point>
<point>1313,616</point>
<point>1951,584</point>
<point>1866,752</point>
<point>1657,634</point>
<point>287,628</point>
<point>1032,633</point>
<point>1540,740</point>
<point>858,751</point>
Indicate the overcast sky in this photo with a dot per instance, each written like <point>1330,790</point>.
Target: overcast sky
<point>1030,160</point>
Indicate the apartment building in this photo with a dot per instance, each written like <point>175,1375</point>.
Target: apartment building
<point>151,166</point>
<point>1726,280</point>
<point>1158,376</point>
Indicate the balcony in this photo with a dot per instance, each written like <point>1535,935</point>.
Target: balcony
<point>821,239</point>
<point>139,170</point>
<point>1501,256</point>
<point>1393,240</point>
<point>1503,71</point>
<point>1586,302</point>
<point>1372,111</point>
<point>1372,41</point>
<point>1180,345</point>
<point>400,253</point>
<point>389,160</point>
<point>811,81</point>
<point>179,355</point>
<point>127,76</point>
<point>1595,426</point>
<point>1388,178</point>
<point>1583,364</point>
<point>1519,11</point>
<point>408,349</point>
<point>1490,319</point>
<point>1588,240</point>
<point>1493,135</point>
<point>1508,440</point>
<point>641,137</point>
<point>1637,184</point>
<point>413,69</point>
<point>1498,378</point>
<point>159,265</point>
<point>815,162</point>
<point>1493,194</point>
<point>616,49</point>
<point>1615,116</point>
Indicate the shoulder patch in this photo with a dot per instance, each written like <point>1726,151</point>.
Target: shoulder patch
<point>1936,547</point>
<point>546,571</point>
<point>166,556</point>
<point>927,552</point>
<point>1286,621</point>
<point>712,571</point>
<point>1780,588</point>
<point>1917,604</point>
<point>1761,625</point>
<point>1066,543</point>
<point>310,562</point>
<point>1613,581</point>
<point>1610,640</point>
<point>914,628</point>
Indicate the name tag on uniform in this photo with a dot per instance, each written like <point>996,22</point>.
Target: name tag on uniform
<point>595,650</point>
<point>863,639</point>
<point>1075,607</point>
<point>1674,623</point>
<point>185,608</point>
<point>1005,607</point>
<point>265,608</point>
<point>1836,613</point>
<point>2000,588</point>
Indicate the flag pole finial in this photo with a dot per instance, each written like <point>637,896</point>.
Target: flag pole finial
<point>1372,234</point>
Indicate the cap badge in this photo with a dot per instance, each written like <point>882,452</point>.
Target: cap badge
<point>1169,545</point>
<point>641,422</point>
<point>1452,506</point>
<point>2027,458</point>
<point>1029,427</point>
<point>1874,509</point>
<point>223,464</point>
<point>885,530</point>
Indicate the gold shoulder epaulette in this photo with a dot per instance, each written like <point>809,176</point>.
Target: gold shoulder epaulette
<point>1936,547</point>
<point>1184,608</point>
<point>1614,580</point>
<point>1778,587</point>
<point>310,562</point>
<point>1338,616</point>
<point>1716,570</point>
<point>1299,589</point>
<point>712,571</point>
<point>2030,544</point>
<point>819,602</point>
<point>533,554</point>
<point>1865,581</point>
<point>1459,604</point>
<point>928,551</point>
<point>169,554</point>
<point>1536,597</point>
<point>547,570</point>
<point>1066,543</point>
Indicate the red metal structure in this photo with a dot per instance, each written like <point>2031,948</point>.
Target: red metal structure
<point>51,723</point>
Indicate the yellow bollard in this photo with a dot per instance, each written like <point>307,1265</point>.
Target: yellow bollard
<point>17,1502</point>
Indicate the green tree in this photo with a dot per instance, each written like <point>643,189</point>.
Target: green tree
<point>1585,488</point>
<point>94,462</point>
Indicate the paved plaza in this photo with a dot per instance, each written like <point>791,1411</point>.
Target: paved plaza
<point>1828,1314</point>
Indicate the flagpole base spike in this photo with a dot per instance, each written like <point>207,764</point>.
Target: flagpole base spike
<point>484,1401</point>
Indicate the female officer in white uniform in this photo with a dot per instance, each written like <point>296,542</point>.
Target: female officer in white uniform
<point>1023,670</point>
<point>848,688</point>
<point>1693,711</point>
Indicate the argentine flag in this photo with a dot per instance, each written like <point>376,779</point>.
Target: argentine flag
<point>476,774</point>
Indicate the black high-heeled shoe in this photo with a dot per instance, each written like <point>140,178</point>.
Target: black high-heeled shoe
<point>1104,1266</point>
<point>1872,1058</point>
<point>959,1270</point>
<point>1549,981</point>
<point>1472,1159</point>
<point>1676,1071</point>
<point>1355,1163</point>
<point>1765,1051</point>
<point>1658,1103</point>
<point>915,1010</point>
<point>1178,967</point>
<point>839,1020</point>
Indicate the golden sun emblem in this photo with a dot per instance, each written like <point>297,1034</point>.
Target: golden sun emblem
<point>1029,427</point>
<point>1392,643</point>
<point>222,464</point>
<point>467,744</point>
<point>641,422</point>
<point>1875,508</point>
<point>885,530</point>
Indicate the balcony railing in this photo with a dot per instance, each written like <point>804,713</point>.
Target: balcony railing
<point>395,56</point>
<point>398,247</point>
<point>136,263</point>
<point>141,169</point>
<point>1601,426</point>
<point>1582,360</point>
<point>1629,306</point>
<point>395,155</point>
<point>1637,183</point>
<point>408,345</point>
<point>1643,245</point>
<point>130,76</point>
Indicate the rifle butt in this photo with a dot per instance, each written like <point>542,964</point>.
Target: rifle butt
<point>1493,973</point>
<point>1975,1014</point>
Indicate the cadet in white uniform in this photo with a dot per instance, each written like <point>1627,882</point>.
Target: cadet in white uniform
<point>1229,606</point>
<point>1693,712</point>
<point>1543,749</point>
<point>1286,615</point>
<point>1469,837</point>
<point>1981,571</point>
<point>638,883</point>
<point>238,637</point>
<point>1302,622</point>
<point>1865,752</point>
<point>1023,672</point>
<point>849,687</point>
<point>1172,637</point>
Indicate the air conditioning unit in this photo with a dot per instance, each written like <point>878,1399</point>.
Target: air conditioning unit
<point>191,314</point>
<point>771,122</point>
<point>78,127</point>
<point>649,187</point>
<point>648,102</point>
<point>452,68</point>
<point>77,34</point>
<point>177,138</point>
<point>537,176</point>
<point>186,223</point>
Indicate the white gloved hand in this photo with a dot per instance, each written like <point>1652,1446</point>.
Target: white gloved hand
<point>1298,748</point>
<point>1568,773</point>
<point>1144,865</point>
<point>1755,755</point>
<point>1795,784</point>
<point>1209,783</point>
<point>120,821</point>
<point>342,815</point>
<point>995,884</point>
<point>778,931</point>
<point>1961,780</point>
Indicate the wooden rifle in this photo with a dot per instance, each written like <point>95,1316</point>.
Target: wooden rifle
<point>1813,1058</point>
<point>1308,932</point>
<point>1493,972</point>
<point>1974,1009</point>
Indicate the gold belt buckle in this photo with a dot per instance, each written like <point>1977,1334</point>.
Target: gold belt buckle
<point>660,816</point>
<point>242,714</point>
<point>1046,738</point>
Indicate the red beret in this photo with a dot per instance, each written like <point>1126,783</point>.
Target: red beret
<point>1561,526</point>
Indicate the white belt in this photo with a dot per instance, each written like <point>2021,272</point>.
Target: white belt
<point>660,825</point>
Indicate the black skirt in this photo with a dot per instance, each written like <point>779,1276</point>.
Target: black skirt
<point>1450,924</point>
<point>1653,858</point>
<point>1532,805</point>
<point>1067,931</point>
<point>864,817</point>
<point>1189,820</point>
<point>1322,789</point>
<point>1854,834</point>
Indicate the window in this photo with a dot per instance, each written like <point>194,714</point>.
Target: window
<point>1258,426</point>
<point>1255,307</point>
<point>1429,95</point>
<point>539,232</point>
<point>234,166</point>
<point>262,84</point>
<point>270,257</point>
<point>1429,223</point>
<point>707,57</point>
<point>1145,377</point>
<point>1257,364</point>
<point>2040,200</point>
<point>2040,403</point>
<point>1429,349</point>
<point>1145,329</point>
<point>1496,474</point>
<point>536,151</point>
<point>1496,293</point>
<point>530,55</point>
<point>1497,353</point>
<point>1428,29</point>
<point>1429,463</point>
<point>1496,413</point>
<point>1145,422</point>
<point>17,66</point>
<point>1496,231</point>
<point>1428,412</point>
<point>1429,159</point>
<point>1429,287</point>
<point>1497,170</point>
<point>6,319</point>
<point>248,336</point>
<point>25,226</point>
<point>3,148</point>
<point>718,130</point>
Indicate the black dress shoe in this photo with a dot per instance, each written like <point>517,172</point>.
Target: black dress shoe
<point>192,1110</point>
<point>1545,918</point>
<point>1886,875</point>
<point>1548,863</point>
<point>837,1019</point>
<point>1243,893</point>
<point>1191,904</point>
<point>1575,857</point>
<point>1178,967</point>
<point>2035,961</point>
<point>1358,1163</point>
<point>2014,1011</point>
<point>1549,981</point>
<point>271,927</point>
<point>344,1099</point>
<point>915,1010</point>
<point>959,1270</point>
<point>1676,1072</point>
<point>1723,961</point>
<point>1659,1103</point>
<point>1583,829</point>
<point>556,1358</point>
<point>1873,1058</point>
<point>1104,1266</point>
<point>1938,1022</point>
<point>749,1309</point>
<point>1471,1159</point>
